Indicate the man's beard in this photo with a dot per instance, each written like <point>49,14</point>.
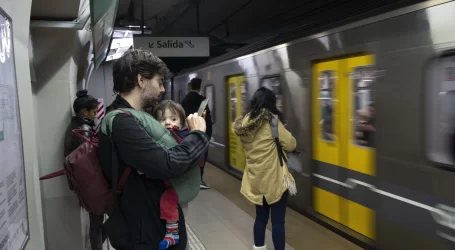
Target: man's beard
<point>150,102</point>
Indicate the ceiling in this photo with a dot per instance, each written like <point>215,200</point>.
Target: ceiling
<point>235,22</point>
<point>232,24</point>
<point>129,11</point>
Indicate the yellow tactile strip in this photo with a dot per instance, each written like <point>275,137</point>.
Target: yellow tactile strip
<point>195,242</point>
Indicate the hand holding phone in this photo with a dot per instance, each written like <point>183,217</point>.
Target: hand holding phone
<point>196,122</point>
<point>202,107</point>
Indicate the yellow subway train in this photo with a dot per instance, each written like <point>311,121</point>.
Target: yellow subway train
<point>372,107</point>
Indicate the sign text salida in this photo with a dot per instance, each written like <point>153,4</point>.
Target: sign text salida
<point>171,44</point>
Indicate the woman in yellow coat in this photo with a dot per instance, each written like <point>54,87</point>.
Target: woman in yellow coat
<point>265,182</point>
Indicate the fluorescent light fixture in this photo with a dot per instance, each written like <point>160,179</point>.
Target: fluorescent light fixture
<point>118,47</point>
<point>122,41</point>
<point>136,26</point>
<point>192,75</point>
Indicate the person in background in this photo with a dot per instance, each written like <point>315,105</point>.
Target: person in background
<point>85,107</point>
<point>266,183</point>
<point>191,104</point>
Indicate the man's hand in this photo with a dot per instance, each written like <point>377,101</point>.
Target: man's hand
<point>196,122</point>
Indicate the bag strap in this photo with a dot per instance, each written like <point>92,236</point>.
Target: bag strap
<point>274,126</point>
<point>80,133</point>
<point>52,175</point>
<point>114,165</point>
<point>117,185</point>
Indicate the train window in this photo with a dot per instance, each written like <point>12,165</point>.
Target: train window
<point>326,87</point>
<point>208,92</point>
<point>364,110</point>
<point>244,97</point>
<point>233,101</point>
<point>273,83</point>
<point>440,116</point>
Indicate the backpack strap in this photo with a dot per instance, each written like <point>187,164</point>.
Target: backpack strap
<point>114,165</point>
<point>80,133</point>
<point>117,185</point>
<point>274,126</point>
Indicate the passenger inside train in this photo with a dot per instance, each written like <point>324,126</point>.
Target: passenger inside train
<point>365,127</point>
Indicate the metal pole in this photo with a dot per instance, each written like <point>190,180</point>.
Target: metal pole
<point>142,18</point>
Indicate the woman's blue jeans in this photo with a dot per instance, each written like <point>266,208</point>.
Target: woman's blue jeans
<point>278,211</point>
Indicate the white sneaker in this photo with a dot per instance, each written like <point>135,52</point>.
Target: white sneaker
<point>260,248</point>
<point>204,185</point>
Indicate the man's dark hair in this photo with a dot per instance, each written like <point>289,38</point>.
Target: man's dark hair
<point>132,63</point>
<point>195,83</point>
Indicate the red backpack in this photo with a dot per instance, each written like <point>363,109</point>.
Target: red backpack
<point>86,179</point>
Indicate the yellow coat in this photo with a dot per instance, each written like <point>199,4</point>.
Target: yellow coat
<point>263,175</point>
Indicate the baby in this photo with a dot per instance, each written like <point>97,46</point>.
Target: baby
<point>171,115</point>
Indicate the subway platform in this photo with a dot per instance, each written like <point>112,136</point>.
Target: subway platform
<point>222,219</point>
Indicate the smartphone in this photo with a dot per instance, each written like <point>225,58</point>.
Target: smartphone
<point>203,106</point>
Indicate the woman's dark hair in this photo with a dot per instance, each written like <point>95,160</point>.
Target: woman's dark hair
<point>84,101</point>
<point>174,107</point>
<point>132,63</point>
<point>263,98</point>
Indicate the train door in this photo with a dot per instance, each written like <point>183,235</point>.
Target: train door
<point>237,99</point>
<point>343,142</point>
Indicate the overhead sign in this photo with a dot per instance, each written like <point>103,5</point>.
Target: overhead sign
<point>102,14</point>
<point>14,229</point>
<point>174,46</point>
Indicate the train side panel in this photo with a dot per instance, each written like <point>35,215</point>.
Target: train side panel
<point>404,195</point>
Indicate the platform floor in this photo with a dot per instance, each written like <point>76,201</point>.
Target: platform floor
<point>221,219</point>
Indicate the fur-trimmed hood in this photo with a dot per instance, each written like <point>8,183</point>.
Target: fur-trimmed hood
<point>264,176</point>
<point>244,126</point>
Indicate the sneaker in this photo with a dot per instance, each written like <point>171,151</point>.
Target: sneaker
<point>204,185</point>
